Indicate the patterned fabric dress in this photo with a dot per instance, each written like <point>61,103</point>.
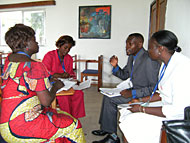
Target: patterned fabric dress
<point>23,119</point>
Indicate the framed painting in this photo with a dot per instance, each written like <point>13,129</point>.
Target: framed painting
<point>95,22</point>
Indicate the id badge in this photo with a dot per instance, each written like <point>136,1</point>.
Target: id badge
<point>130,84</point>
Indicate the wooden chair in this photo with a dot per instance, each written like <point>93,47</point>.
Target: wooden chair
<point>163,138</point>
<point>62,93</point>
<point>93,72</point>
<point>75,64</point>
<point>2,59</point>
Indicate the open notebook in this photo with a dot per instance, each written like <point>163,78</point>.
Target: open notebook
<point>113,92</point>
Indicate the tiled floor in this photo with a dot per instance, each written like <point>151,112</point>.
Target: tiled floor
<point>93,102</point>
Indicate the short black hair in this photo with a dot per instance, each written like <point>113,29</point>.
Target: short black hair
<point>18,35</point>
<point>63,40</point>
<point>137,35</point>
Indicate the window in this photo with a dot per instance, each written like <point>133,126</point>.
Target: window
<point>35,19</point>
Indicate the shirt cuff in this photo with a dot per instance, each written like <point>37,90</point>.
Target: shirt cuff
<point>134,94</point>
<point>114,70</point>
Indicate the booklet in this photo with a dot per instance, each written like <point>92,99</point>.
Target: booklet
<point>83,85</point>
<point>110,92</point>
<point>113,92</point>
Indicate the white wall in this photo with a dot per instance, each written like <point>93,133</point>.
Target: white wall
<point>127,16</point>
<point>178,21</point>
<point>18,1</point>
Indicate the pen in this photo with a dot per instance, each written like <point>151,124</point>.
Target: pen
<point>52,82</point>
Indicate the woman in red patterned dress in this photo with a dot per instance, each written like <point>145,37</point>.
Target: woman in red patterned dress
<point>27,94</point>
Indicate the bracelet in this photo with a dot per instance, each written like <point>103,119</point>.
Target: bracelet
<point>144,110</point>
<point>140,99</point>
<point>139,108</point>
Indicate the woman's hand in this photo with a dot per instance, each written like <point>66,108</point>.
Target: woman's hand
<point>133,101</point>
<point>60,75</point>
<point>135,108</point>
<point>65,75</point>
<point>78,82</point>
<point>58,84</point>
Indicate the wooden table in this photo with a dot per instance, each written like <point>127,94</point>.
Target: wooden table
<point>62,93</point>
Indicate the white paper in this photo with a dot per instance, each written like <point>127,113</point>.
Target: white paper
<point>68,84</point>
<point>151,104</point>
<point>113,92</point>
<point>82,85</point>
<point>126,84</point>
<point>110,94</point>
<point>128,105</point>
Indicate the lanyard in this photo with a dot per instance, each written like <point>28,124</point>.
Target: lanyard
<point>134,58</point>
<point>132,70</point>
<point>62,64</point>
<point>23,53</point>
<point>161,76</point>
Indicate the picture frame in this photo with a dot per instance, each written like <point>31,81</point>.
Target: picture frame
<point>95,22</point>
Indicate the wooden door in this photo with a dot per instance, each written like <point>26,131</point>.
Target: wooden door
<point>157,16</point>
<point>152,19</point>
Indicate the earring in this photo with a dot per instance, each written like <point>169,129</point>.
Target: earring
<point>159,53</point>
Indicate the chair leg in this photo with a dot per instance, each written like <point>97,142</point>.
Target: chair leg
<point>163,138</point>
<point>81,78</point>
<point>99,83</point>
<point>124,139</point>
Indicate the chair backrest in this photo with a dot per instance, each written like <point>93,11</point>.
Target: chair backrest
<point>2,60</point>
<point>75,64</point>
<point>93,72</point>
<point>100,64</point>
